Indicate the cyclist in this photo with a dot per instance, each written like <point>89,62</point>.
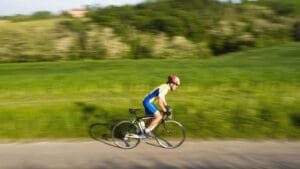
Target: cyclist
<point>158,96</point>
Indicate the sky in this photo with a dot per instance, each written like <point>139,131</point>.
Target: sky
<point>12,7</point>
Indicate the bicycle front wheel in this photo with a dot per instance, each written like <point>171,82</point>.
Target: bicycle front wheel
<point>170,134</point>
<point>124,135</point>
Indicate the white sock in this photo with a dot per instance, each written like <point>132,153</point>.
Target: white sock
<point>147,130</point>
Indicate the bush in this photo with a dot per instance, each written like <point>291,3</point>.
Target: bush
<point>35,16</point>
<point>170,25</point>
<point>296,31</point>
<point>79,27</point>
<point>141,47</point>
<point>42,15</point>
<point>295,119</point>
<point>19,18</point>
<point>229,37</point>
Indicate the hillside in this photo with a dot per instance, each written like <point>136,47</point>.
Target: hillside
<point>154,29</point>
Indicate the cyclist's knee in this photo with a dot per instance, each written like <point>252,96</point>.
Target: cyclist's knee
<point>157,115</point>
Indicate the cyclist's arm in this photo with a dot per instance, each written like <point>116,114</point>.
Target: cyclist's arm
<point>162,98</point>
<point>162,103</point>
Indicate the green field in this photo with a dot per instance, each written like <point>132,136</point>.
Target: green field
<point>253,94</point>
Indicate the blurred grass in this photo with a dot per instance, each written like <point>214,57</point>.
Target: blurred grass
<point>252,94</point>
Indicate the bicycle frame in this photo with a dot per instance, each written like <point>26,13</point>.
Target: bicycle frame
<point>137,120</point>
<point>135,131</point>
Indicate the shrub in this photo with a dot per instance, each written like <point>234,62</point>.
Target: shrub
<point>295,119</point>
<point>41,15</point>
<point>229,37</point>
<point>141,47</point>
<point>280,7</point>
<point>296,31</point>
<point>79,27</point>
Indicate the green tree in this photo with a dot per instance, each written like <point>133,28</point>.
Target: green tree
<point>79,27</point>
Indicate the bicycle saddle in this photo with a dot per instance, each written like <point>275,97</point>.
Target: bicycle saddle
<point>134,111</point>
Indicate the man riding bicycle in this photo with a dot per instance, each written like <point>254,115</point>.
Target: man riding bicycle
<point>158,96</point>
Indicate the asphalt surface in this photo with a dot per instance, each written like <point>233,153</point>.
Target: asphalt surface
<point>192,154</point>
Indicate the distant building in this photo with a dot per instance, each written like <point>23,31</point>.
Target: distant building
<point>77,13</point>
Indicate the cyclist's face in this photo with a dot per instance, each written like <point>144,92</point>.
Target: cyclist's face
<point>173,86</point>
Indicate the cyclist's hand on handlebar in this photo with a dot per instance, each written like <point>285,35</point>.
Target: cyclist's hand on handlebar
<point>168,108</point>
<point>168,113</point>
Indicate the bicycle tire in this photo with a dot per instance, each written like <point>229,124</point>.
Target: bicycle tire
<point>170,134</point>
<point>122,135</point>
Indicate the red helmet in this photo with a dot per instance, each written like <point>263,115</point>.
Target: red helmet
<point>174,79</point>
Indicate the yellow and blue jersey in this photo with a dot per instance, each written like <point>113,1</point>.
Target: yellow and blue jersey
<point>160,91</point>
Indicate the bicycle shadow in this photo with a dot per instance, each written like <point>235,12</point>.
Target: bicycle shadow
<point>100,130</point>
<point>97,134</point>
<point>153,144</point>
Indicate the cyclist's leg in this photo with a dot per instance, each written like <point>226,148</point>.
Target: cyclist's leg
<point>156,118</point>
<point>151,111</point>
<point>150,108</point>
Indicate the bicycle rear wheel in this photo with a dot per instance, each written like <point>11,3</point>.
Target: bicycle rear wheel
<point>170,134</point>
<point>124,135</point>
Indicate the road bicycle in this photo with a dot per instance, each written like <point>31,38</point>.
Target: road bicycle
<point>128,134</point>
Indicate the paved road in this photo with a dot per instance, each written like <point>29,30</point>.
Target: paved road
<point>192,154</point>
